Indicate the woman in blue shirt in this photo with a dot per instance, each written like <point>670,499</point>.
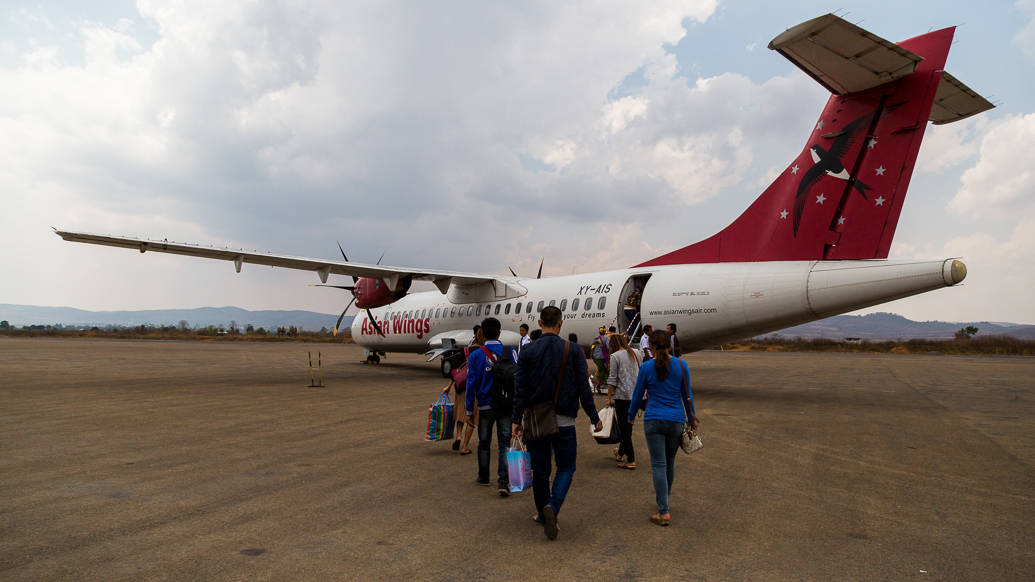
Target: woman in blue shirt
<point>667,381</point>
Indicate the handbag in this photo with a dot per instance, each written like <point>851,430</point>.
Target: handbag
<point>608,434</point>
<point>440,419</point>
<point>691,443</point>
<point>519,466</point>
<point>459,375</point>
<point>540,420</point>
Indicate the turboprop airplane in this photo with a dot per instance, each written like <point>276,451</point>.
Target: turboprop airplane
<point>813,245</point>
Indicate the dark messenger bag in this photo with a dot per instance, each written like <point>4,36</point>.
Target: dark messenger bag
<point>540,419</point>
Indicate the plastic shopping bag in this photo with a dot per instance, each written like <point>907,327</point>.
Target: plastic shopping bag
<point>608,434</point>
<point>440,420</point>
<point>519,466</point>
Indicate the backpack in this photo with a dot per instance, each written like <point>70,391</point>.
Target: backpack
<point>503,369</point>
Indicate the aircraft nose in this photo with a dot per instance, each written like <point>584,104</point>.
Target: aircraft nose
<point>954,271</point>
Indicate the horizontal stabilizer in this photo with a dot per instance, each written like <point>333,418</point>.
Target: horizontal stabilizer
<point>843,57</point>
<point>955,101</point>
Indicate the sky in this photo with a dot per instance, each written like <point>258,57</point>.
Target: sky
<point>463,136</point>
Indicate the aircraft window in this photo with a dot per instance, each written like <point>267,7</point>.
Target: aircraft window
<point>575,304</point>
<point>588,304</point>
<point>479,309</point>
<point>452,312</point>
<point>517,308</point>
<point>423,313</point>
<point>528,308</point>
<point>470,311</point>
<point>564,304</point>
<point>506,311</point>
<point>437,310</point>
<point>553,302</point>
<point>497,310</point>
<point>539,307</point>
<point>600,304</point>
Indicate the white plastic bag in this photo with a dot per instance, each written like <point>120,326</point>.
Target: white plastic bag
<point>608,433</point>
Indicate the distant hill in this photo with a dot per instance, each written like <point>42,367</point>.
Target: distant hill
<point>21,315</point>
<point>889,326</point>
<point>875,326</point>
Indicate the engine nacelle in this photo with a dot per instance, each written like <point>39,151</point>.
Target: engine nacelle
<point>370,292</point>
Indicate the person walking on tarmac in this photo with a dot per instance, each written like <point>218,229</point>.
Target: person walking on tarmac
<point>479,397</point>
<point>536,380</point>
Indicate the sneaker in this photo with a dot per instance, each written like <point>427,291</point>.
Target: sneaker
<point>549,522</point>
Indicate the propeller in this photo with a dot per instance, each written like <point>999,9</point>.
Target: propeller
<point>539,275</point>
<point>352,288</point>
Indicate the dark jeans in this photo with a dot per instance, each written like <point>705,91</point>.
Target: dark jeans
<point>663,438</point>
<point>562,445</point>
<point>624,430</point>
<point>485,422</point>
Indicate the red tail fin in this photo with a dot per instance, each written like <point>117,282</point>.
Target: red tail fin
<point>841,197</point>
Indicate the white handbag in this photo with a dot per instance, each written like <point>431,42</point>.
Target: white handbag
<point>691,443</point>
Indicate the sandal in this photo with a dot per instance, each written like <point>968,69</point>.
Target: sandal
<point>658,520</point>
<point>466,452</point>
<point>629,466</point>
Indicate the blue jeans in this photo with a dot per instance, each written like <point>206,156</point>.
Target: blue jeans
<point>485,422</point>
<point>663,438</point>
<point>562,445</point>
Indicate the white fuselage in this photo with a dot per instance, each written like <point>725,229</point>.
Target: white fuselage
<point>709,303</point>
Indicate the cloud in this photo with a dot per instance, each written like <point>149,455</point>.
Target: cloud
<point>947,146</point>
<point>1003,180</point>
<point>1025,38</point>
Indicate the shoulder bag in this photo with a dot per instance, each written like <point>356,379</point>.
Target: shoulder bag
<point>691,443</point>
<point>540,419</point>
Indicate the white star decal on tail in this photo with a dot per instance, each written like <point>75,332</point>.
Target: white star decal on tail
<point>880,171</point>
<point>841,220</point>
<point>794,169</point>
<point>820,199</point>
<point>820,124</point>
<point>783,214</point>
<point>871,143</point>
<point>879,200</point>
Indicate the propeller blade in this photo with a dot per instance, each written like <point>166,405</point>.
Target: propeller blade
<point>379,259</point>
<point>354,278</point>
<point>370,316</point>
<point>512,271</point>
<point>342,316</point>
<point>540,275</point>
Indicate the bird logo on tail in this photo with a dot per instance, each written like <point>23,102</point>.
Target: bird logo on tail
<point>829,162</point>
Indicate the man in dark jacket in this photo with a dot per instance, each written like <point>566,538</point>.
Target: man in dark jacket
<point>539,366</point>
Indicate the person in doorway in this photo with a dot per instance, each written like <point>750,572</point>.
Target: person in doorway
<point>625,367</point>
<point>552,370</point>
<point>670,406</point>
<point>525,340</point>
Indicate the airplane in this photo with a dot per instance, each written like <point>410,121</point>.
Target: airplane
<point>814,244</point>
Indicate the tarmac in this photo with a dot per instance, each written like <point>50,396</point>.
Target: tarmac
<point>172,460</point>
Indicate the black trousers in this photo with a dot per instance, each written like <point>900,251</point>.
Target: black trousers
<point>624,429</point>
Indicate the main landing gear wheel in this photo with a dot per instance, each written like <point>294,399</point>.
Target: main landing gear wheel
<point>447,368</point>
<point>373,359</point>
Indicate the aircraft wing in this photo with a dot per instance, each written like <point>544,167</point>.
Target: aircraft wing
<point>322,267</point>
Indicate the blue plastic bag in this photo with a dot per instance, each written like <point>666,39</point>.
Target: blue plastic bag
<point>519,466</point>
